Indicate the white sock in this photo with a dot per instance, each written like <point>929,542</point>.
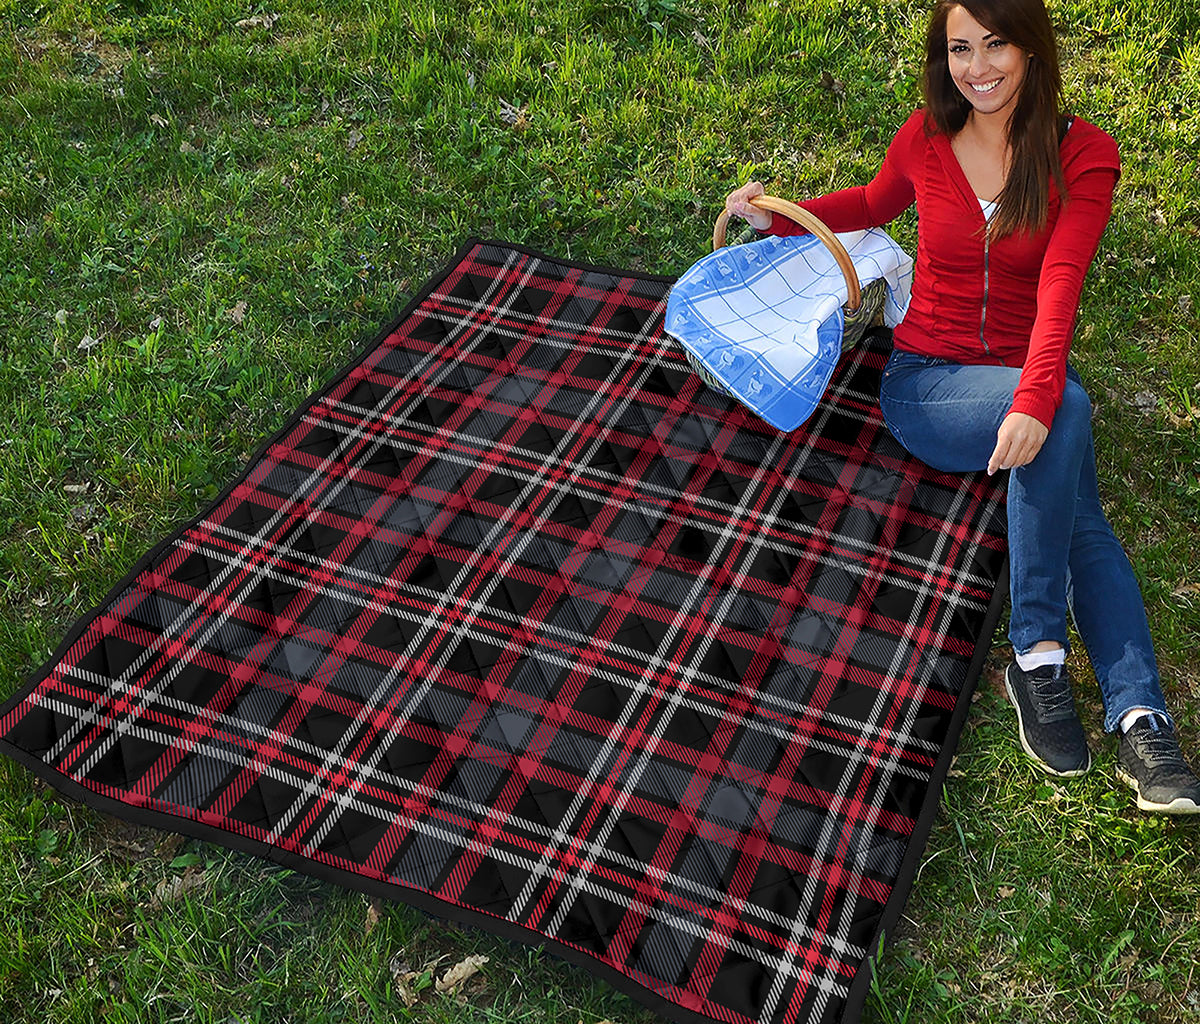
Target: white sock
<point>1028,662</point>
<point>1128,719</point>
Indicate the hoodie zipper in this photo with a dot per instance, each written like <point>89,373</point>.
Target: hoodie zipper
<point>983,310</point>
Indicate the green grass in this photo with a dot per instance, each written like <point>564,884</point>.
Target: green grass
<point>160,167</point>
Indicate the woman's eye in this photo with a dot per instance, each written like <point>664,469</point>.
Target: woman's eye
<point>996,43</point>
<point>958,48</point>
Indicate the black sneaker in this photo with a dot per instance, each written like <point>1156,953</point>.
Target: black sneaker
<point>1149,760</point>
<point>1051,732</point>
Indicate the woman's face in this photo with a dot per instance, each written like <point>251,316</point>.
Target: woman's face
<point>987,69</point>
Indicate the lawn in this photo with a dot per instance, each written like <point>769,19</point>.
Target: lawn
<point>205,207</point>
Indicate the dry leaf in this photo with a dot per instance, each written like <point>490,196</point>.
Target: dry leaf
<point>405,978</point>
<point>60,317</point>
<point>257,21</point>
<point>404,987</point>
<point>87,341</point>
<point>355,138</point>
<point>1005,891</point>
<point>1146,401</point>
<point>159,120</point>
<point>170,889</point>
<point>168,846</point>
<point>460,972</point>
<point>374,913</point>
<point>238,313</point>
<point>156,323</point>
<point>515,116</point>
<point>186,147</point>
<point>832,84</point>
<point>75,488</point>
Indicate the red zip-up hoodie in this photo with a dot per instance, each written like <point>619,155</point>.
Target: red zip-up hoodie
<point>1010,301</point>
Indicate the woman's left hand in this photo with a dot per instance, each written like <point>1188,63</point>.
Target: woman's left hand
<point>1018,440</point>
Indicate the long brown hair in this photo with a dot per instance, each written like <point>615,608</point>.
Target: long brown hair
<point>1036,124</point>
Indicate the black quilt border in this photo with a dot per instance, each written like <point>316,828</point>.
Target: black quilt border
<point>861,983</point>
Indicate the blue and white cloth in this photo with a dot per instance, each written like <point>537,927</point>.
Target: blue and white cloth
<point>765,319</point>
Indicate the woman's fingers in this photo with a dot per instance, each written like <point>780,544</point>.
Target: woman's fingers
<point>999,457</point>
<point>1018,441</point>
<point>747,191</point>
<point>737,204</point>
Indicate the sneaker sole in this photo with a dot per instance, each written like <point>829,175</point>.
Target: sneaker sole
<point>1180,805</point>
<point>1071,773</point>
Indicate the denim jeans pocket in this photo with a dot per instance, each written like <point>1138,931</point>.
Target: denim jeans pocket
<point>900,361</point>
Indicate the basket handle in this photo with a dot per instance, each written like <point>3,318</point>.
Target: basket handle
<point>807,220</point>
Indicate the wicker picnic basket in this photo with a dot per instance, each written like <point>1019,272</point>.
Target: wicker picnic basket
<point>863,305</point>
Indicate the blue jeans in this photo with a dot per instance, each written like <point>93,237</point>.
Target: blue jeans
<point>1062,551</point>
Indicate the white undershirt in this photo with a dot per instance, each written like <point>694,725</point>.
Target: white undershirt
<point>989,205</point>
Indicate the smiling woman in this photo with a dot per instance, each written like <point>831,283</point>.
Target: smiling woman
<point>996,88</point>
<point>1012,198</point>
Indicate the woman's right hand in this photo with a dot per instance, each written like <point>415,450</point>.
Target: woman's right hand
<point>737,204</point>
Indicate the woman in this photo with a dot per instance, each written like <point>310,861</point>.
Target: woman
<point>1012,198</point>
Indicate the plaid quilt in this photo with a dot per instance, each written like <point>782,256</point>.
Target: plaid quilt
<point>518,622</point>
